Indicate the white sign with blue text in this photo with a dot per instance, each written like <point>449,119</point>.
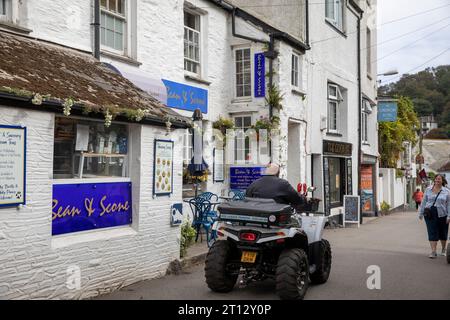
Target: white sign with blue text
<point>12,165</point>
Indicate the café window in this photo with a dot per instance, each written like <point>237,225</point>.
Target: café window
<point>87,149</point>
<point>337,181</point>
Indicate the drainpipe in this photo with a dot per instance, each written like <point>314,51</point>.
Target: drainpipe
<point>96,25</point>
<point>359,114</point>
<point>307,23</point>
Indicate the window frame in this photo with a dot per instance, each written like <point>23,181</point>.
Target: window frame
<point>97,179</point>
<point>295,81</point>
<point>125,18</point>
<point>342,181</point>
<point>369,52</point>
<point>243,150</point>
<point>338,8</point>
<point>198,17</point>
<point>337,101</point>
<point>235,74</point>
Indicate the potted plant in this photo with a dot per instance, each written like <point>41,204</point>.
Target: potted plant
<point>223,124</point>
<point>264,123</point>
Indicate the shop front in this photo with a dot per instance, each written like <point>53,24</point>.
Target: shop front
<point>337,175</point>
<point>90,175</point>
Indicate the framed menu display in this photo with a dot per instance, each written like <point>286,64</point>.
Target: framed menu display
<point>219,165</point>
<point>12,165</point>
<point>163,168</point>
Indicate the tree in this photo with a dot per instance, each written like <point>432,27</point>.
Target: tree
<point>393,134</point>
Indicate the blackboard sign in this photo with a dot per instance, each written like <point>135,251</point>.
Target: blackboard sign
<point>242,177</point>
<point>351,209</point>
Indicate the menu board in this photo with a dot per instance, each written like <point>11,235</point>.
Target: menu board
<point>12,165</point>
<point>163,168</point>
<point>352,209</point>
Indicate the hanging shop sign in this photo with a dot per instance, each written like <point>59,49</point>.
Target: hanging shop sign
<point>184,97</point>
<point>337,148</point>
<point>351,210</point>
<point>12,165</point>
<point>260,75</point>
<point>219,169</point>
<point>163,168</point>
<point>242,177</point>
<point>387,111</point>
<point>81,207</point>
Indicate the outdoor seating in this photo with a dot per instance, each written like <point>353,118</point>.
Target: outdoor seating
<point>203,210</point>
<point>236,194</point>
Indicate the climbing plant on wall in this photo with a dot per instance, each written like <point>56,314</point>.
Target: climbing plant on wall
<point>393,134</point>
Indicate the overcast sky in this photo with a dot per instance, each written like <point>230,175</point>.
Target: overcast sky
<point>433,25</point>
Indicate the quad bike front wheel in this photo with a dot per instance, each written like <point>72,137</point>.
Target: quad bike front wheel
<point>292,275</point>
<point>323,266</point>
<point>217,277</point>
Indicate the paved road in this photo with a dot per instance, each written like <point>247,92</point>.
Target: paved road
<point>396,243</point>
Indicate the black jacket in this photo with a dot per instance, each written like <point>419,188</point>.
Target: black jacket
<point>271,187</point>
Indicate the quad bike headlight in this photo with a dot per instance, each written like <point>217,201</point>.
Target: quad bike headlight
<point>272,218</point>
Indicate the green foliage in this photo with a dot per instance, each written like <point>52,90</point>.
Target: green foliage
<point>385,206</point>
<point>223,124</point>
<point>429,90</point>
<point>399,174</point>
<point>187,238</point>
<point>266,123</point>
<point>393,134</point>
<point>274,97</point>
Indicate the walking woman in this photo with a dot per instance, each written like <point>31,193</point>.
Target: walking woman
<point>435,208</point>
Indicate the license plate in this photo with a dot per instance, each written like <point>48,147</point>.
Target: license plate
<point>248,257</point>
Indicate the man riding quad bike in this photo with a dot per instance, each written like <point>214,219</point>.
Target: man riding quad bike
<point>264,237</point>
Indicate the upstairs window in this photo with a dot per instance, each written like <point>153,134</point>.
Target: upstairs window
<point>242,142</point>
<point>113,25</point>
<point>192,42</point>
<point>2,7</point>
<point>366,111</point>
<point>335,100</point>
<point>334,13</point>
<point>243,73</point>
<point>295,73</point>
<point>369,52</point>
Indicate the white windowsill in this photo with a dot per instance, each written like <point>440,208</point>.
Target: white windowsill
<point>67,240</point>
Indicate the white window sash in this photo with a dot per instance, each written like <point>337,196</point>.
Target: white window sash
<point>124,33</point>
<point>244,85</point>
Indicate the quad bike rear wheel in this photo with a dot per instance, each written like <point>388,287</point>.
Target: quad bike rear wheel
<point>217,277</point>
<point>323,266</point>
<point>292,274</point>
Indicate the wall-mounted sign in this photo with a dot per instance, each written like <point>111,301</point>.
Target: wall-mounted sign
<point>260,75</point>
<point>387,111</point>
<point>367,194</point>
<point>184,97</point>
<point>163,168</point>
<point>176,214</point>
<point>352,210</point>
<point>242,177</point>
<point>219,169</point>
<point>81,207</point>
<point>13,142</point>
<point>337,148</point>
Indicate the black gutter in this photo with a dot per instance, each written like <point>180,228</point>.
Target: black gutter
<point>307,24</point>
<point>96,25</point>
<point>77,110</point>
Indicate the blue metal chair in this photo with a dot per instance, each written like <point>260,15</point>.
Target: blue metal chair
<point>204,217</point>
<point>209,196</point>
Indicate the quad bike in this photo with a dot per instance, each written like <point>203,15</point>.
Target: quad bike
<point>261,239</point>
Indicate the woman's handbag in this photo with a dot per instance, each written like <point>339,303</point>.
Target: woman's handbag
<point>428,212</point>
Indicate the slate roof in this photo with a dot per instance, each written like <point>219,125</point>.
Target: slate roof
<point>29,67</point>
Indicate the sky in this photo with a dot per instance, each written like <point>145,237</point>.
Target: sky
<point>433,26</point>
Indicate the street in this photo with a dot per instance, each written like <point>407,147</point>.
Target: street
<point>397,243</point>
